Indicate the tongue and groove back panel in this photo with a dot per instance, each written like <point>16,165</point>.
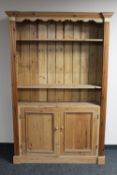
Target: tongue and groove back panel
<point>55,61</point>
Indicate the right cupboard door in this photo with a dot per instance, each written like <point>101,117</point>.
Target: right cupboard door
<point>79,132</point>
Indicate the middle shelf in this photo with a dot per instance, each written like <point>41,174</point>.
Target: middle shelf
<point>62,40</point>
<point>59,86</point>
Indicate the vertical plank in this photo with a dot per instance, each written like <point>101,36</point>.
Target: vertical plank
<point>59,62</point>
<point>76,61</point>
<point>93,64</point>
<point>68,34</point>
<point>18,63</point>
<point>18,30</point>
<point>68,70</point>
<point>34,69</point>
<point>85,32</point>
<point>24,56</point>
<point>99,71</point>
<point>25,30</point>
<point>23,60</point>
<point>84,69</point>
<point>24,95</point>
<point>14,87</point>
<point>94,28</point>
<point>99,64</point>
<point>104,88</point>
<point>68,30</point>
<point>84,60</point>
<point>33,30</point>
<point>43,69</point>
<point>18,52</point>
<point>42,56</point>
<point>42,30</point>
<point>93,54</point>
<point>93,61</point>
<point>77,30</point>
<point>100,31</point>
<point>24,64</point>
<point>51,61</point>
<point>92,70</point>
<point>59,70</point>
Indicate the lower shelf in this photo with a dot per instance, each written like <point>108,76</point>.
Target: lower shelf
<point>58,104</point>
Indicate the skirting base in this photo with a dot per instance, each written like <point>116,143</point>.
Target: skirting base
<point>62,159</point>
<point>101,160</point>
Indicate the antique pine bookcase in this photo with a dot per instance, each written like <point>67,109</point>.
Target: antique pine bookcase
<point>59,85</point>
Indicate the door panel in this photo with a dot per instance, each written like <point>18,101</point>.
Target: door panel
<point>79,132</point>
<point>81,128</point>
<point>40,134</point>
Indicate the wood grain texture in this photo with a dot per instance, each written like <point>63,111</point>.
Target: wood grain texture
<point>42,56</point>
<point>59,69</point>
<point>84,70</point>
<point>43,124</point>
<point>61,86</point>
<point>79,131</point>
<point>83,15</point>
<point>39,132</point>
<point>59,61</point>
<point>14,87</point>
<point>101,160</point>
<point>86,40</point>
<point>51,61</point>
<point>104,89</point>
<point>55,160</point>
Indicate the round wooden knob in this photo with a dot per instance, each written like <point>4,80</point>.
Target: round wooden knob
<point>56,129</point>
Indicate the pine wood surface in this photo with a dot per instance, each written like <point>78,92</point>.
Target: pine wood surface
<point>59,85</point>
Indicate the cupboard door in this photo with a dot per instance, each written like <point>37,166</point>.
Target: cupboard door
<point>39,128</point>
<point>79,132</point>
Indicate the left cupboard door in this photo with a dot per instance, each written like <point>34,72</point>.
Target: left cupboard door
<point>38,130</point>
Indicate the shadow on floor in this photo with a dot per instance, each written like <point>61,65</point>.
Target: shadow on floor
<point>6,152</point>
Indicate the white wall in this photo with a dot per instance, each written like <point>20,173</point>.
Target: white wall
<point>6,133</point>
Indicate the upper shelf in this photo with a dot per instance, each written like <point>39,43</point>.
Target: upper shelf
<point>60,40</point>
<point>57,86</point>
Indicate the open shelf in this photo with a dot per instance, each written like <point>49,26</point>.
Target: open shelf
<point>54,86</point>
<point>60,40</point>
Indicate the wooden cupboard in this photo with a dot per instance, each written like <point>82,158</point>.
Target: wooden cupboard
<point>59,84</point>
<point>58,129</point>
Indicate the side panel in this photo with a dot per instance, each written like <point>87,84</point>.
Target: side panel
<point>104,88</point>
<point>14,86</point>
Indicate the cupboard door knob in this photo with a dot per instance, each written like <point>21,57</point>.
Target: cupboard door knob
<point>61,129</point>
<point>56,129</point>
